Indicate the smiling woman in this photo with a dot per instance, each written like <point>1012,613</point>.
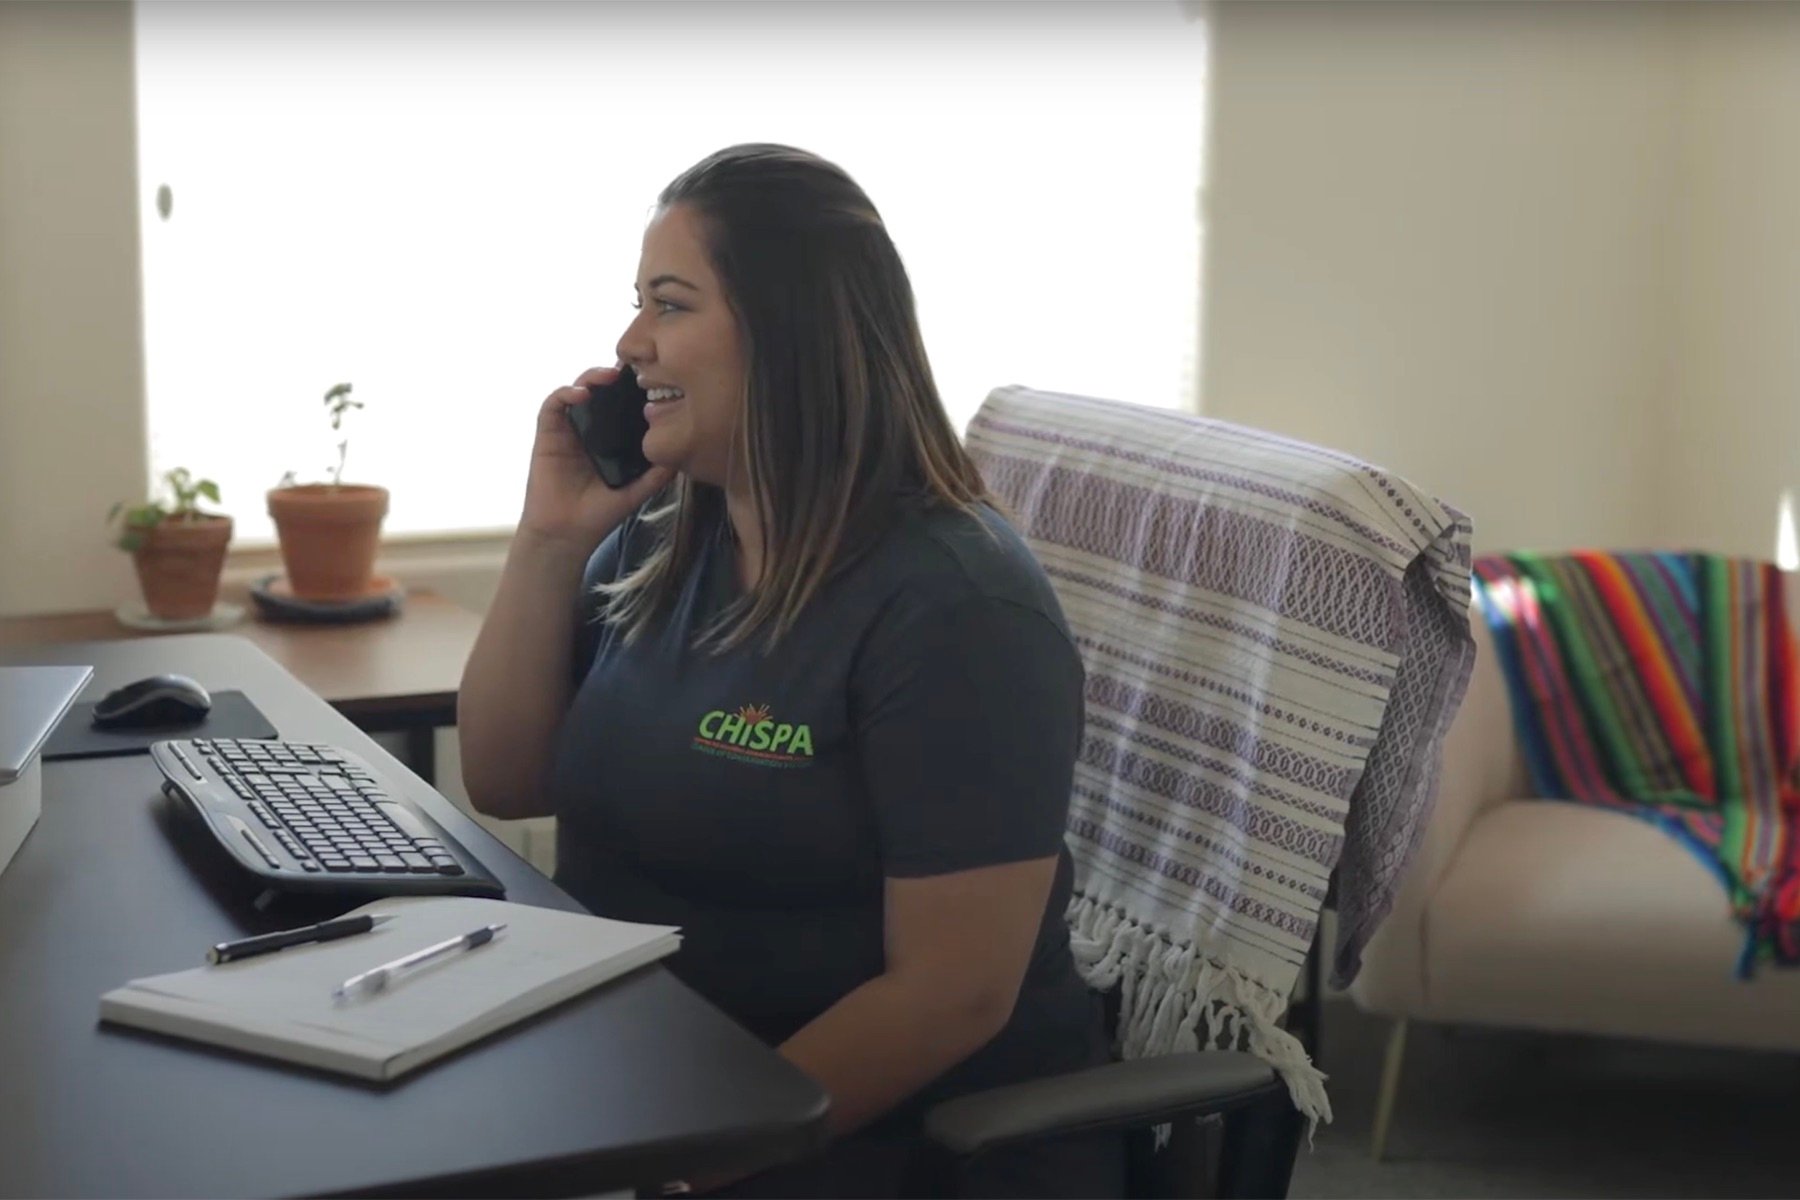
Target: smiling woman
<point>800,689</point>
<point>685,347</point>
<point>780,307</point>
<point>441,202</point>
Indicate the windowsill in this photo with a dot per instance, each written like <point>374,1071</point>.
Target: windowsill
<point>404,542</point>
<point>409,558</point>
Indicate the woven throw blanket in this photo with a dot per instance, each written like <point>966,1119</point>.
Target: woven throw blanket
<point>1663,685</point>
<point>1276,637</point>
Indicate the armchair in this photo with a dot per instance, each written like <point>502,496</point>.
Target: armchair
<point>1528,913</point>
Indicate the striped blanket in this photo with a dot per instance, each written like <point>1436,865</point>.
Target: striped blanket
<point>1276,637</point>
<point>1663,685</point>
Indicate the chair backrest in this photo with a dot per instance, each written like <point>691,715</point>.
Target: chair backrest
<point>1268,628</point>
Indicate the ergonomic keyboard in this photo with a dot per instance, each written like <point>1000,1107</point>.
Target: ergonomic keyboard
<point>313,818</point>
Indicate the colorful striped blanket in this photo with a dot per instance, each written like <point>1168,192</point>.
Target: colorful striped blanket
<point>1276,637</point>
<point>1664,685</point>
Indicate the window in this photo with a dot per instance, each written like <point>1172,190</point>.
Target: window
<point>442,204</point>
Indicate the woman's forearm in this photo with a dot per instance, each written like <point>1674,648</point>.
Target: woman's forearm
<point>883,1042</point>
<point>516,685</point>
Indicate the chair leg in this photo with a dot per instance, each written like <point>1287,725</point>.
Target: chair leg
<point>1390,1088</point>
<point>1306,1014</point>
<point>1260,1142</point>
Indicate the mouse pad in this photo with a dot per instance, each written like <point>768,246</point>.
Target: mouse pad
<point>232,716</point>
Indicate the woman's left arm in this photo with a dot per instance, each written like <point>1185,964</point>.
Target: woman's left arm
<point>957,948</point>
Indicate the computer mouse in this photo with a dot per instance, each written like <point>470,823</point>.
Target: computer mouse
<point>154,702</point>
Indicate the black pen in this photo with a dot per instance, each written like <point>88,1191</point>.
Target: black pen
<point>325,931</point>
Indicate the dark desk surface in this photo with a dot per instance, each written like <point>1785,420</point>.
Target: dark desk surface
<point>633,1083</point>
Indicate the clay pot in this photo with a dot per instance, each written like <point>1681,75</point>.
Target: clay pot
<point>179,563</point>
<point>329,536</point>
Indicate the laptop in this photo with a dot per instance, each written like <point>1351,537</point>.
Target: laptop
<point>33,701</point>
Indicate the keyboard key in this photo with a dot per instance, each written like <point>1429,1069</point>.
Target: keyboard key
<point>408,821</point>
<point>261,849</point>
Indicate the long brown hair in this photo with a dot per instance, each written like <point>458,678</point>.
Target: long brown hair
<point>841,419</point>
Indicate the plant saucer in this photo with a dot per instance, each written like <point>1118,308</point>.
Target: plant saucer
<point>134,615</point>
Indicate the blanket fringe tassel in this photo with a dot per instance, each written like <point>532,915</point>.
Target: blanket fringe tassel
<point>1165,992</point>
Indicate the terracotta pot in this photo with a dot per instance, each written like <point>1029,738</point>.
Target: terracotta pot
<point>329,536</point>
<point>178,566</point>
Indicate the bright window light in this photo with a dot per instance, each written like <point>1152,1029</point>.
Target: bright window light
<point>443,205</point>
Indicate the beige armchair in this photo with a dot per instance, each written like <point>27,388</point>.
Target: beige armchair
<point>1556,916</point>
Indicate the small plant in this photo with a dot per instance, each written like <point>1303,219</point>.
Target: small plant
<point>337,403</point>
<point>185,492</point>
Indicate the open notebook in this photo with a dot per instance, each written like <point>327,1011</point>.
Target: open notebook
<point>282,1004</point>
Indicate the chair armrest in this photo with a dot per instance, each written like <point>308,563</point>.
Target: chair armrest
<point>1121,1095</point>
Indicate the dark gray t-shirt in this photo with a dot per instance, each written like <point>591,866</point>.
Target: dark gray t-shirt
<point>921,718</point>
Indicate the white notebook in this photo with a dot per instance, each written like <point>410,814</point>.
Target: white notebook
<point>282,1004</point>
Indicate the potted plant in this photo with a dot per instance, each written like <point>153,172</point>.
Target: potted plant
<point>178,551</point>
<point>329,532</point>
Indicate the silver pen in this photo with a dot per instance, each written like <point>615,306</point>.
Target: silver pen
<point>376,979</point>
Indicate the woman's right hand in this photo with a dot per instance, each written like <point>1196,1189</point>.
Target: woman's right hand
<point>565,500</point>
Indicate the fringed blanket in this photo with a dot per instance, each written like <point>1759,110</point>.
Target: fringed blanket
<point>1664,685</point>
<point>1276,638</point>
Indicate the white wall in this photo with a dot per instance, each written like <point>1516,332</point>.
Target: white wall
<point>1734,404</point>
<point>71,356</point>
<point>1438,238</point>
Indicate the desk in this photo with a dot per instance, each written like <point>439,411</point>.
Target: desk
<point>633,1083</point>
<point>395,675</point>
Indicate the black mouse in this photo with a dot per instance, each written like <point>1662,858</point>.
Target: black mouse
<point>154,702</point>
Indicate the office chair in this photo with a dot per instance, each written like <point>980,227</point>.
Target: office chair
<point>1275,638</point>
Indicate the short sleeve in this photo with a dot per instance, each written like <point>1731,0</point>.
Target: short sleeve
<point>968,717</point>
<point>605,565</point>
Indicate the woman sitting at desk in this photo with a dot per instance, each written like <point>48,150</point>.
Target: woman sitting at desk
<point>798,689</point>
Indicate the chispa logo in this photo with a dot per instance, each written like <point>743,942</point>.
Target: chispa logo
<point>749,735</point>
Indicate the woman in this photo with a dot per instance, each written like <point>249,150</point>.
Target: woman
<point>799,690</point>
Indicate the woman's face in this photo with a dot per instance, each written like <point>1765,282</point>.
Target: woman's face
<point>685,348</point>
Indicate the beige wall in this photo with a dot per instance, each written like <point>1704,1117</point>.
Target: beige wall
<point>1437,238</point>
<point>71,351</point>
<point>1734,403</point>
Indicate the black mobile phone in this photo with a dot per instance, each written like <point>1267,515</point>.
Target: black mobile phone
<point>611,426</point>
